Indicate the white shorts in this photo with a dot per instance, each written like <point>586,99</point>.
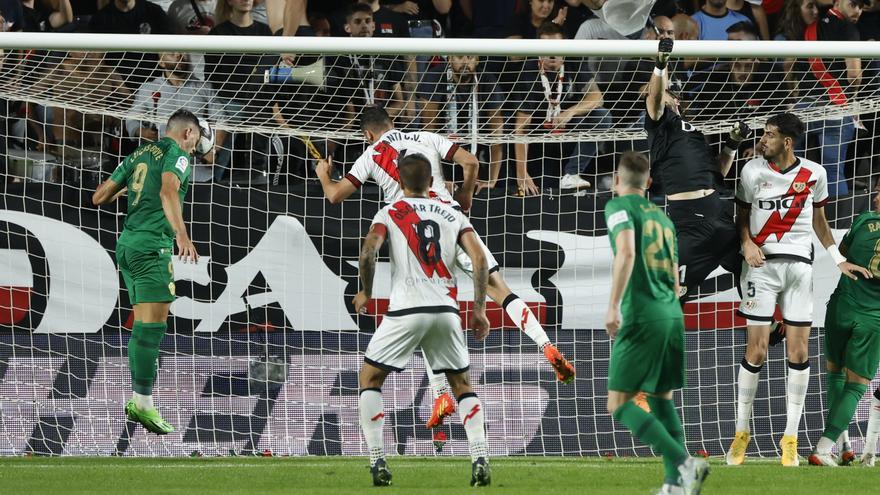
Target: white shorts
<point>439,334</point>
<point>464,261</point>
<point>788,282</point>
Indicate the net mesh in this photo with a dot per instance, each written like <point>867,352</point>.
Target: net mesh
<point>263,346</point>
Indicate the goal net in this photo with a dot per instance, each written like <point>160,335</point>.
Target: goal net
<point>263,346</point>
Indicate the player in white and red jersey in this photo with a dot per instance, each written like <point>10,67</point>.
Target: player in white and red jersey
<point>423,309</point>
<point>379,163</point>
<point>780,204</point>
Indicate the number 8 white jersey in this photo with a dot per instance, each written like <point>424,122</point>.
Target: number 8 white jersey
<point>379,162</point>
<point>423,235</point>
<point>782,202</point>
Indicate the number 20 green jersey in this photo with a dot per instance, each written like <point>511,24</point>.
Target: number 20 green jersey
<point>650,293</point>
<point>146,227</point>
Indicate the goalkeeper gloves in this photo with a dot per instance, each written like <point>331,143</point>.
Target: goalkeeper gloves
<point>663,52</point>
<point>738,133</point>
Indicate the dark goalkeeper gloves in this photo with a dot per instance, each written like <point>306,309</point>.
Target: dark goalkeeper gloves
<point>664,50</point>
<point>738,133</point>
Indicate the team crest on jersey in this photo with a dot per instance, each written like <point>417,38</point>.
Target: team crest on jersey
<point>750,304</point>
<point>799,187</point>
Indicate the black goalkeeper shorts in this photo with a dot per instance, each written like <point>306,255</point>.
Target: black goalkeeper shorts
<point>707,239</point>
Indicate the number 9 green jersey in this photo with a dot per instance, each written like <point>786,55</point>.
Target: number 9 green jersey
<point>650,294</point>
<point>146,228</point>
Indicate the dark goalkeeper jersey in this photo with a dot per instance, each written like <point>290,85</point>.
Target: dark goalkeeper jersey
<point>680,157</point>
<point>862,246</point>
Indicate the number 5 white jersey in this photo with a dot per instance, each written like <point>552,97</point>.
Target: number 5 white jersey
<point>423,235</point>
<point>379,162</point>
<point>782,202</point>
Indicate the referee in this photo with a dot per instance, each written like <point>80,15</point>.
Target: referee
<point>688,172</point>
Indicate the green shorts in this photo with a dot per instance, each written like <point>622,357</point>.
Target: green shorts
<point>648,357</point>
<point>148,275</point>
<point>852,337</point>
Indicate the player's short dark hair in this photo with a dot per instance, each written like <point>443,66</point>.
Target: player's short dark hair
<point>634,168</point>
<point>182,117</point>
<point>549,29</point>
<point>354,9</point>
<point>374,118</point>
<point>415,172</point>
<point>789,125</point>
<point>743,27</point>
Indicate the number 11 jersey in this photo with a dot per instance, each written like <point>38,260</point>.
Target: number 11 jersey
<point>423,234</point>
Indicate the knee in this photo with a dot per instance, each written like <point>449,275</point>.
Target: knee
<point>756,352</point>
<point>371,377</point>
<point>854,378</point>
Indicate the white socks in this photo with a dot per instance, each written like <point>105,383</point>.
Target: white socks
<point>470,409</point>
<point>823,446</point>
<point>873,426</point>
<point>746,387</point>
<point>798,380</point>
<point>525,320</point>
<point>372,415</point>
<point>438,383</point>
<point>142,401</point>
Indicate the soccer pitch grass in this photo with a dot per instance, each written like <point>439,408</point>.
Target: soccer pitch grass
<point>130,476</point>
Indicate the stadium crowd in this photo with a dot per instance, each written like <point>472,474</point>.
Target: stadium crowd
<point>453,95</point>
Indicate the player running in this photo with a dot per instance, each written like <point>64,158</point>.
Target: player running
<point>780,203</point>
<point>379,163</point>
<point>423,310</point>
<point>648,351</point>
<point>683,162</point>
<point>852,334</point>
<point>156,176</point>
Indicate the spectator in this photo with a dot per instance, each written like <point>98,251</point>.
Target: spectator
<point>555,96</point>
<point>388,23</point>
<point>362,80</point>
<point>320,24</point>
<point>596,28</point>
<point>579,11</point>
<point>131,17</point>
<point>525,26</point>
<point>177,87</point>
<point>741,88</point>
<point>460,98</point>
<point>714,18</point>
<point>796,16</point>
<point>13,15</point>
<point>45,15</point>
<point>869,22</point>
<point>685,27</point>
<point>773,9</point>
<point>192,16</point>
<point>840,82</point>
<point>753,10</point>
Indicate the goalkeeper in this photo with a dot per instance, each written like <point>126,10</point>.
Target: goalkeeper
<point>852,332</point>
<point>156,176</point>
<point>688,173</point>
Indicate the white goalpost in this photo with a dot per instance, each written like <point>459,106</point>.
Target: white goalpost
<point>263,345</point>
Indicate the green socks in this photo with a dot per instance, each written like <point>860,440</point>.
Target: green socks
<point>842,410</point>
<point>835,381</point>
<point>650,431</point>
<point>664,411</point>
<point>143,355</point>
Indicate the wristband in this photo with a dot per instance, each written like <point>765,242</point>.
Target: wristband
<point>727,150</point>
<point>660,71</point>
<point>835,254</point>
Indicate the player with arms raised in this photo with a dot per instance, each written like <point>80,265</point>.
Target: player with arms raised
<point>379,163</point>
<point>156,176</point>
<point>780,203</point>
<point>688,173</point>
<point>648,351</point>
<point>423,310</point>
<point>852,334</point>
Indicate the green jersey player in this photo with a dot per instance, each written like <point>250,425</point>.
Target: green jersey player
<point>648,351</point>
<point>156,176</point>
<point>852,332</point>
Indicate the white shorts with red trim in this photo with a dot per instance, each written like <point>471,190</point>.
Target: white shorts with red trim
<point>784,281</point>
<point>439,334</point>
